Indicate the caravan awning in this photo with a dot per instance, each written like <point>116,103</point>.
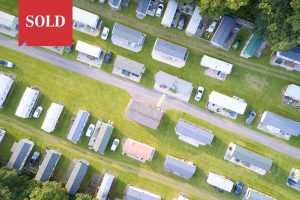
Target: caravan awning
<point>227,102</point>
<point>216,64</point>
<point>88,49</point>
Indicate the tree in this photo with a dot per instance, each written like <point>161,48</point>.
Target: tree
<point>215,8</point>
<point>81,196</point>
<point>278,22</point>
<point>49,191</point>
<point>5,194</point>
<point>212,8</point>
<point>236,4</point>
<point>19,185</point>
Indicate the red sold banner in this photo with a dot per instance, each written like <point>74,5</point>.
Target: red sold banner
<point>45,23</point>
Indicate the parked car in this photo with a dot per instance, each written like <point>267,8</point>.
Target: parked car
<point>115,144</point>
<point>105,33</point>
<point>34,158</point>
<point>212,26</point>
<point>181,22</point>
<point>108,57</point>
<point>101,1</point>
<point>38,112</point>
<point>159,10</point>
<point>69,49</point>
<point>90,130</point>
<point>199,93</point>
<point>236,44</point>
<point>238,188</point>
<point>251,117</point>
<point>6,63</point>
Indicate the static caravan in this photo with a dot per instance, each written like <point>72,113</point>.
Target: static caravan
<point>52,117</point>
<point>27,103</point>
<point>220,182</point>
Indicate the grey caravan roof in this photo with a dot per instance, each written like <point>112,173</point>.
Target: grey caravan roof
<point>127,33</point>
<point>129,65</point>
<point>47,166</point>
<point>143,6</point>
<point>133,193</point>
<point>78,125</point>
<point>76,177</point>
<point>171,49</point>
<point>179,167</point>
<point>289,126</point>
<point>103,137</point>
<point>253,158</point>
<point>144,114</point>
<point>20,153</point>
<point>293,54</point>
<point>223,31</point>
<point>193,131</point>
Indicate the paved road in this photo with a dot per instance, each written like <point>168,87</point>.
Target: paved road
<point>150,96</point>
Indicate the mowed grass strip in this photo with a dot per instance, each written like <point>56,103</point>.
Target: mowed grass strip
<point>109,103</point>
<point>262,91</point>
<point>125,173</point>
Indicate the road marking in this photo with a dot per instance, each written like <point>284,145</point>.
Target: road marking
<point>160,101</point>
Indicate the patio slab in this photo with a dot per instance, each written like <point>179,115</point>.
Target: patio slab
<point>91,61</point>
<point>56,49</point>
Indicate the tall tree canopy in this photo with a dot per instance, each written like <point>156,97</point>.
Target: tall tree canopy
<point>278,21</point>
<point>5,194</point>
<point>49,191</point>
<point>81,196</point>
<point>19,186</point>
<point>215,8</point>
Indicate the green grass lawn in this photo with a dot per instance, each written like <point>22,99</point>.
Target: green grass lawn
<point>10,6</point>
<point>265,90</point>
<point>261,91</point>
<point>109,103</point>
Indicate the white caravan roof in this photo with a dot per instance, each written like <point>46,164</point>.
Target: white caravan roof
<point>5,85</point>
<point>8,20</point>
<point>293,91</point>
<point>216,64</point>
<point>88,49</point>
<point>220,182</point>
<point>52,117</point>
<point>85,17</point>
<point>227,102</point>
<point>27,102</point>
<point>169,13</point>
<point>105,186</point>
<point>194,22</point>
